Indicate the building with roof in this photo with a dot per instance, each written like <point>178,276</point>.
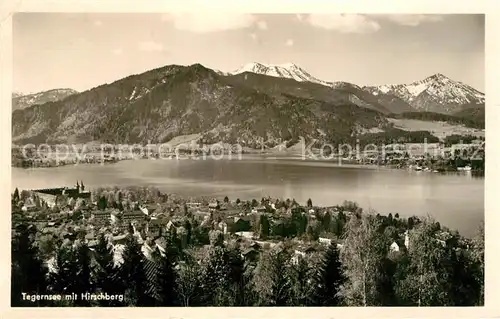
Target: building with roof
<point>51,195</point>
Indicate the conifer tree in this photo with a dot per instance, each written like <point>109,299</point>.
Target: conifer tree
<point>83,282</point>
<point>62,278</point>
<point>271,282</point>
<point>362,255</point>
<point>309,203</point>
<point>105,274</point>
<point>328,279</point>
<point>215,277</point>
<point>15,196</point>
<point>237,278</point>
<point>132,273</point>
<point>28,272</point>
<point>166,278</point>
<point>299,275</point>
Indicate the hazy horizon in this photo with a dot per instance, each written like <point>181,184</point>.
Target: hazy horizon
<point>84,50</point>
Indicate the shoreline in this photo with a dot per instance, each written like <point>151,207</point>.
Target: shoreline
<point>267,157</point>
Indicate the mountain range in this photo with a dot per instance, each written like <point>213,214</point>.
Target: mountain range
<point>21,101</point>
<point>256,102</point>
<point>436,93</point>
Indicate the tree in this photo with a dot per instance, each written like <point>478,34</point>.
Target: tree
<point>326,222</point>
<point>132,273</point>
<point>427,281</point>
<point>15,196</point>
<point>226,199</point>
<point>362,257</point>
<point>166,280</point>
<point>105,274</point>
<point>216,238</point>
<point>309,203</point>
<point>238,201</point>
<point>82,278</point>
<point>271,282</point>
<point>264,228</point>
<point>28,272</point>
<point>62,277</point>
<point>301,284</point>
<point>188,283</point>
<point>237,278</point>
<point>216,278</point>
<point>313,230</point>
<point>328,279</point>
<point>477,256</point>
<point>46,246</point>
<point>102,203</point>
<point>391,233</point>
<point>189,232</point>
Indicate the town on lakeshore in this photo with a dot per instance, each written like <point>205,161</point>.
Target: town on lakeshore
<point>157,249</point>
<point>200,159</point>
<point>451,155</point>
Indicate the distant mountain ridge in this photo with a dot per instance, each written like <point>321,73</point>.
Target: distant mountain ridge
<point>436,93</point>
<point>21,101</point>
<point>163,103</point>
<point>287,70</point>
<point>256,102</point>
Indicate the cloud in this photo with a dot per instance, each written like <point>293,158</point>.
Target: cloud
<point>253,36</point>
<point>262,25</point>
<point>344,23</point>
<point>97,23</point>
<point>411,19</point>
<point>364,23</point>
<point>117,51</point>
<point>150,46</point>
<point>204,22</point>
<point>289,42</point>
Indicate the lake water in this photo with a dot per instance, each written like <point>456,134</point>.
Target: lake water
<point>456,201</point>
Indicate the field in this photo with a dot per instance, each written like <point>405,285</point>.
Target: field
<point>438,129</point>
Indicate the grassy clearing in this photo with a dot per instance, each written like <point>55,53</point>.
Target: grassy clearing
<point>438,129</point>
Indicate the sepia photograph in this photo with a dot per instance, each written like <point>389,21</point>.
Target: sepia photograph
<point>186,159</point>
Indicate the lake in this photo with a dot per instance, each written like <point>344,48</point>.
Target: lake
<point>455,200</point>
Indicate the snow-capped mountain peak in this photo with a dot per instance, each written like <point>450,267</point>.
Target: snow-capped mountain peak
<point>434,93</point>
<point>287,70</point>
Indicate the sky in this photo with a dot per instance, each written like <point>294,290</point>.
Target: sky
<point>85,50</point>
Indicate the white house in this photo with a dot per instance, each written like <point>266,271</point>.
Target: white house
<point>326,241</point>
<point>144,210</point>
<point>394,247</point>
<point>245,234</point>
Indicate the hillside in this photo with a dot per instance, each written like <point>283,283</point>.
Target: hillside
<point>436,93</point>
<point>20,101</point>
<point>342,93</point>
<point>476,114</point>
<point>157,105</point>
